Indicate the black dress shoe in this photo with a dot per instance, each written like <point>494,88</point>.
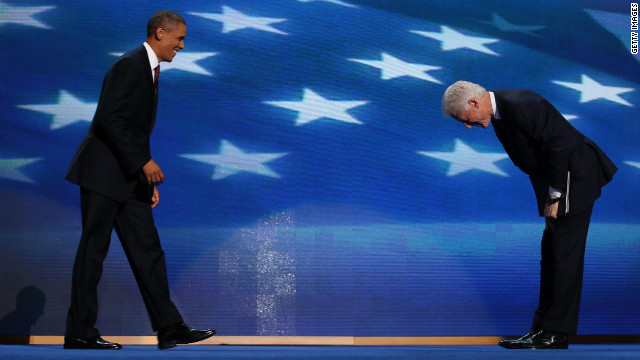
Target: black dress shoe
<point>543,340</point>
<point>509,344</point>
<point>548,340</point>
<point>94,343</point>
<point>181,334</point>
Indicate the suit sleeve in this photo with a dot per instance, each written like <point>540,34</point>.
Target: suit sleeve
<point>115,116</point>
<point>551,135</point>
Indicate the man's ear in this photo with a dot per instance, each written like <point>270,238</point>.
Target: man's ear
<point>159,33</point>
<point>473,103</point>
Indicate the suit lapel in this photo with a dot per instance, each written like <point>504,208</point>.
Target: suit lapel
<point>143,57</point>
<point>499,124</point>
<point>142,53</point>
<point>504,129</point>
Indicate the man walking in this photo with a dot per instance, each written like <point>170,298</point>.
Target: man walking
<point>118,182</point>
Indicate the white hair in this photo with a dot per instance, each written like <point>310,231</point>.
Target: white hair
<point>456,98</point>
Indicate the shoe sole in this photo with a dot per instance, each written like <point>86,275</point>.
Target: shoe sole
<point>170,344</point>
<point>74,347</point>
<point>166,345</point>
<point>549,347</point>
<point>516,347</point>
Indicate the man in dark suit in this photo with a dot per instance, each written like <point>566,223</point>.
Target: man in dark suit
<point>118,181</point>
<point>567,171</point>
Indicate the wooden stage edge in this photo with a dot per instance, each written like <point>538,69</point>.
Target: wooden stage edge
<point>324,340</point>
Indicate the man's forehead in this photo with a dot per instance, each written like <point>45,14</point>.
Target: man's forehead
<point>460,115</point>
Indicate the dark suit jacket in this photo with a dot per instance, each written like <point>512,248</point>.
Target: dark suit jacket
<point>542,143</point>
<point>110,158</point>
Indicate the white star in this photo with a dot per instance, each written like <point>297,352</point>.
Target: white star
<point>393,67</point>
<point>452,40</point>
<point>592,90</point>
<point>464,158</point>
<point>185,61</point>
<point>235,20</point>
<point>504,25</point>
<point>231,160</point>
<point>570,117</point>
<point>67,111</point>
<point>633,163</point>
<point>22,15</point>
<point>9,169</point>
<point>313,107</point>
<point>339,2</point>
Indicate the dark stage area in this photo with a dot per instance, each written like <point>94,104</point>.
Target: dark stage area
<point>582,352</point>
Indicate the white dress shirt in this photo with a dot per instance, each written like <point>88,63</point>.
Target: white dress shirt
<point>153,59</point>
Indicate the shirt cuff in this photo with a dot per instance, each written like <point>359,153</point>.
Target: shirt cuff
<point>554,192</point>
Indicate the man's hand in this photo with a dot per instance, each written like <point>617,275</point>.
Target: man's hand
<point>153,173</point>
<point>155,198</point>
<point>551,211</point>
<point>549,224</point>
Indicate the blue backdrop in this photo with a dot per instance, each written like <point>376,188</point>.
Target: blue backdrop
<point>313,186</point>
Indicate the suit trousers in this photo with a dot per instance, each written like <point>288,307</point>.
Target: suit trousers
<point>133,222</point>
<point>561,269</point>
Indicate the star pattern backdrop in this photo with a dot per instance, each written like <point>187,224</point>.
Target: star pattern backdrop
<point>313,186</point>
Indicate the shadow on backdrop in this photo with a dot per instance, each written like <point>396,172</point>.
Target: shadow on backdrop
<point>15,327</point>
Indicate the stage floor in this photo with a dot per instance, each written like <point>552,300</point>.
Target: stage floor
<point>461,352</point>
